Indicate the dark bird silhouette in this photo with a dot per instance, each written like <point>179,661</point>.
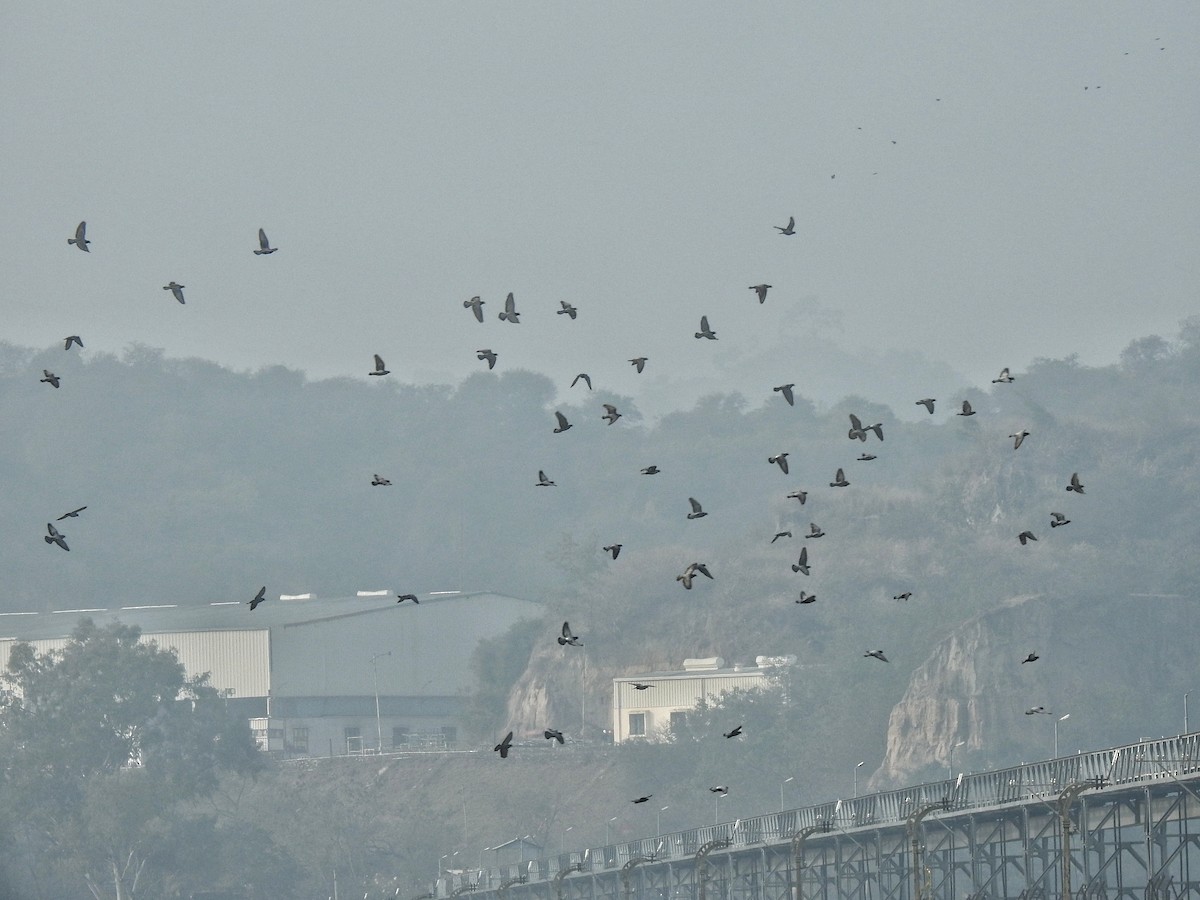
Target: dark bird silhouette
<point>380,368</point>
<point>176,290</point>
<point>610,413</point>
<point>651,470</point>
<point>563,424</point>
<point>504,746</point>
<point>567,637</point>
<point>49,378</point>
<point>876,654</point>
<point>638,686</point>
<point>1025,537</point>
<point>475,305</point>
<point>966,409</point>
<point>1019,438</point>
<point>802,565</point>
<point>1003,378</point>
<point>1037,711</point>
<point>264,246</point>
<point>790,229</point>
<point>553,734</point>
<point>510,313</point>
<point>73,514</point>
<point>614,549</point>
<point>1075,484</point>
<point>639,363</point>
<point>696,512</point>
<point>705,331</point>
<point>72,339</point>
<point>567,309</point>
<point>804,598</point>
<point>839,479</point>
<point>488,355</point>
<point>702,569</point>
<point>543,481</point>
<point>1057,519</point>
<point>258,598</point>
<point>903,596</point>
<point>379,481</point>
<point>400,598</point>
<point>54,536</point>
<point>866,457</point>
<point>584,377</point>
<point>719,789</point>
<point>856,429</point>
<point>1032,657</point>
<point>80,240</point>
<point>780,534</point>
<point>643,799</point>
<point>779,460</point>
<point>737,730</point>
<point>786,390</point>
<point>927,403</point>
<point>798,495</point>
<point>877,428</point>
<point>761,290</point>
<point>814,531</point>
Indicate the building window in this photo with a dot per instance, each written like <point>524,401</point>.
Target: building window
<point>678,720</point>
<point>637,724</point>
<point>399,736</point>
<point>299,741</point>
<point>353,736</point>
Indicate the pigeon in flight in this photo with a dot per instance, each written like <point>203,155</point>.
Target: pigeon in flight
<point>73,514</point>
<point>585,378</point>
<point>966,409</point>
<point>380,368</point>
<point>702,569</point>
<point>638,686</point>
<point>927,403</point>
<point>805,598</point>
<point>791,226</point>
<point>475,305</point>
<point>49,378</point>
<point>875,654</point>
<point>504,746</point>
<point>176,290</point>
<point>639,363</point>
<point>736,732</point>
<point>72,339</point>
<point>856,429</point>
<point>719,789</point>
<point>80,240</point>
<point>814,531</point>
<point>686,579</point>
<point>553,734</point>
<point>866,457</point>
<point>543,481</point>
<point>643,799</point>
<point>651,470</point>
<point>786,390</point>
<point>510,313</point>
<point>705,331</point>
<point>379,481</point>
<point>1032,657</point>
<point>1075,484</point>
<point>697,512</point>
<point>1019,438</point>
<point>1025,537</point>
<point>53,536</point>
<point>400,598</point>
<point>1057,519</point>
<point>779,460</point>
<point>264,246</point>
<point>839,480</point>
<point>798,495</point>
<point>567,309</point>
<point>486,354</point>
<point>258,598</point>
<point>903,596</point>
<point>610,413</point>
<point>568,638</point>
<point>761,290</point>
<point>1003,378</point>
<point>563,424</point>
<point>780,534</point>
<point>802,565</point>
<point>1037,711</point>
<point>614,549</point>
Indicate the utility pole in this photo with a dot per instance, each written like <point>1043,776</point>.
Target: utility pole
<point>375,677</point>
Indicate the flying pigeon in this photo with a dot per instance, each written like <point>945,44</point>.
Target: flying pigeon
<point>686,579</point>
<point>264,246</point>
<point>610,413</point>
<point>643,799</point>
<point>584,377</point>
<point>876,654</point>
<point>568,638</point>
<point>966,409</point>
<point>814,531</point>
<point>72,339</point>
<point>802,565</point>
<point>786,390</point>
<point>563,424</point>
<point>696,512</point>
<point>1019,437</point>
<point>73,514</point>
<point>258,598</point>
<point>1003,377</point>
<point>719,789</point>
<point>1037,710</point>
<point>705,331</point>
<point>1075,484</point>
<point>903,596</point>
<point>702,569</point>
<point>543,481</point>
<point>839,480</point>
<point>638,686</point>
<point>791,226</point>
<point>651,470</point>
<point>567,309</point>
<point>80,240</point>
<point>475,305</point>
<point>176,290</point>
<point>927,403</point>
<point>400,598</point>
<point>504,746</point>
<point>1025,537</point>
<point>761,290</point>
<point>510,313</point>
<point>866,457</point>
<point>877,428</point>
<point>780,460</point>
<point>856,429</point>
<point>780,534</point>
<point>379,481</point>
<point>1032,657</point>
<point>486,354</point>
<point>49,378</point>
<point>737,730</point>
<point>380,368</point>
<point>798,495</point>
<point>1057,518</point>
<point>53,536</point>
<point>614,549</point>
<point>639,363</point>
<point>805,598</point>
<point>552,734</point>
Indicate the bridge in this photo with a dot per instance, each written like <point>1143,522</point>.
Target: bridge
<point>1103,825</point>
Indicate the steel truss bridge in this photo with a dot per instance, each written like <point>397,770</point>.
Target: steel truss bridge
<point>1109,824</point>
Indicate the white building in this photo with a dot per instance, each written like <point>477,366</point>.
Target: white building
<point>656,709</point>
<point>301,670</point>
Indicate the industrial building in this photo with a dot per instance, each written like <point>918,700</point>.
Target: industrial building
<point>652,711</point>
<point>318,677</point>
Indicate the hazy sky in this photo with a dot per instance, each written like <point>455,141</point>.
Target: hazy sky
<point>630,158</point>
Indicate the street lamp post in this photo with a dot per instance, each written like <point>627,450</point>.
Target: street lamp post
<point>608,831</point>
<point>441,859</point>
<point>1185,718</point>
<point>856,768</point>
<point>717,808</point>
<point>658,821</point>
<point>375,678</point>
<point>1056,721</point>
<point>785,781</point>
<point>954,747</point>
<point>562,844</point>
